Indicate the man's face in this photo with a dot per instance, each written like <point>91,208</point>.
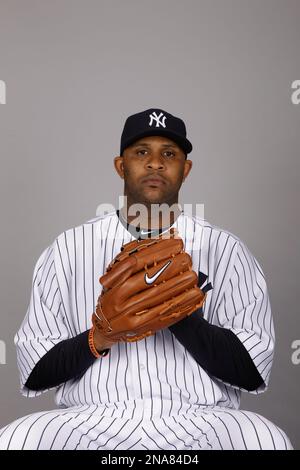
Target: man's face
<point>153,169</point>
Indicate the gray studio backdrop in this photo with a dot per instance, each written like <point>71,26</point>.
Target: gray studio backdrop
<point>74,70</point>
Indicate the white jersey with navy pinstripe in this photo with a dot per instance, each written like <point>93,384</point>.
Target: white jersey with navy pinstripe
<point>158,369</point>
<point>150,394</point>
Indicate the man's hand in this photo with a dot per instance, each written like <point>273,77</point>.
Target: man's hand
<point>100,342</point>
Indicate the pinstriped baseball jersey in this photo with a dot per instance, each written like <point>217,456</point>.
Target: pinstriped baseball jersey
<point>156,374</point>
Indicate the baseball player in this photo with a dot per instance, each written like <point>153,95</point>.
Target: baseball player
<point>155,355</point>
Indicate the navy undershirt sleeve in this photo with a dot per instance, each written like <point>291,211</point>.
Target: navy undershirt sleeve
<point>67,360</point>
<point>217,350</point>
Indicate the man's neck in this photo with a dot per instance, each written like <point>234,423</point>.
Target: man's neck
<point>152,219</point>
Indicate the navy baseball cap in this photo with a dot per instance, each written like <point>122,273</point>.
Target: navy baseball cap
<point>154,121</point>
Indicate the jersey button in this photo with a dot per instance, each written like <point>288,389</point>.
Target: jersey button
<point>142,366</point>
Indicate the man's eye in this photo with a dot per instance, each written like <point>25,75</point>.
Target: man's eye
<point>169,152</point>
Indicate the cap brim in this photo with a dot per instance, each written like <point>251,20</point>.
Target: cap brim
<point>184,143</point>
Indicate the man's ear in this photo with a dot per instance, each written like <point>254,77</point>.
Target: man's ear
<point>187,168</point>
<point>119,165</point>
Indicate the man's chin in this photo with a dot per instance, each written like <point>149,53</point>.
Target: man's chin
<point>153,197</point>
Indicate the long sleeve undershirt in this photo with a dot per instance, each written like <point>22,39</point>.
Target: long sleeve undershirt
<point>67,360</point>
<point>218,350</point>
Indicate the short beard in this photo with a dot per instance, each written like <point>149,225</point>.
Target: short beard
<point>138,197</point>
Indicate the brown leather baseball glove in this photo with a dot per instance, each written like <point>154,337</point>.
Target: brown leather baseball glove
<point>148,286</point>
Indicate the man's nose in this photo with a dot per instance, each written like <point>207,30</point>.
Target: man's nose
<point>155,160</point>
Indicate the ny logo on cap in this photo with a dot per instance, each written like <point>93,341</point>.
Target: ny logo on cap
<point>154,117</point>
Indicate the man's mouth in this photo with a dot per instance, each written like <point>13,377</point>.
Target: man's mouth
<point>153,181</point>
